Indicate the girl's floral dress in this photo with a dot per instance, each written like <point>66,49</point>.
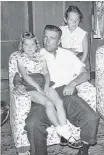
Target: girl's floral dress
<point>100,80</point>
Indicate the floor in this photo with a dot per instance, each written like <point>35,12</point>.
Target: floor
<point>8,148</point>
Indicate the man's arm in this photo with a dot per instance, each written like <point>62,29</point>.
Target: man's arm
<point>82,77</point>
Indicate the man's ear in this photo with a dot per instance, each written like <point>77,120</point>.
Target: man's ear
<point>65,20</point>
<point>59,41</point>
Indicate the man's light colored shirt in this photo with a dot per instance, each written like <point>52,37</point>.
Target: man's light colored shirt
<point>63,67</point>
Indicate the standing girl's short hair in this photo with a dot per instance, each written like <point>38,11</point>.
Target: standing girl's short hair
<point>75,9</point>
<point>28,35</point>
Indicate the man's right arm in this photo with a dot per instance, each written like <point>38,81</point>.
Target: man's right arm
<point>82,77</point>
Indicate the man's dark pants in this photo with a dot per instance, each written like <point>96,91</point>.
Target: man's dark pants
<point>78,112</point>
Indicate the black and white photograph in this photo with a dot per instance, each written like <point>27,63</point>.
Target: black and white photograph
<point>52,77</point>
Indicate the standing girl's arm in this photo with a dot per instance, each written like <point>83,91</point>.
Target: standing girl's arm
<point>85,48</point>
<point>26,77</point>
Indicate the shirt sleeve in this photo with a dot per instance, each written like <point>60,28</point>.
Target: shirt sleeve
<point>43,53</point>
<point>77,65</point>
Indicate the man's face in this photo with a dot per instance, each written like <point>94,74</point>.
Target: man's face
<point>51,40</point>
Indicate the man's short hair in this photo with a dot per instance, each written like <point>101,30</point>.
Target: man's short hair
<point>53,28</point>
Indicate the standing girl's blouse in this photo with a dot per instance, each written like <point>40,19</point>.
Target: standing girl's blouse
<point>72,39</point>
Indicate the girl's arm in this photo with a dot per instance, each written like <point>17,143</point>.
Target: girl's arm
<point>26,77</point>
<point>85,48</point>
<point>47,77</point>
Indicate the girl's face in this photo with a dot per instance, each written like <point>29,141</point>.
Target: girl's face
<point>29,46</point>
<point>73,20</point>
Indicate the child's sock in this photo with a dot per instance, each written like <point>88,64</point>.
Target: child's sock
<point>58,130</point>
<point>63,131</point>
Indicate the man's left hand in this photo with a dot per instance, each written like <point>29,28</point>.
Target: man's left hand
<point>69,89</point>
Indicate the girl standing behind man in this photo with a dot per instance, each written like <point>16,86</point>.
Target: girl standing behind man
<point>73,37</point>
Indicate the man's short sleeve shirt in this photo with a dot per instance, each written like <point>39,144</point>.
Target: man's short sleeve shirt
<point>63,67</point>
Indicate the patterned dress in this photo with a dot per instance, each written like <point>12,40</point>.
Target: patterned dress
<point>34,64</point>
<point>20,105</point>
<point>100,80</point>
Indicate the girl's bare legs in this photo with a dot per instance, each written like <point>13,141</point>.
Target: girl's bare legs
<point>56,116</point>
<point>45,101</point>
<point>63,128</point>
<point>53,95</point>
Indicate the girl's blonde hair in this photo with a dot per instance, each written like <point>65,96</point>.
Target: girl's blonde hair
<point>28,35</point>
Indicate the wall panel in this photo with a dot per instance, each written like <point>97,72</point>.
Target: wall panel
<point>14,19</point>
<point>7,48</point>
<point>46,12</point>
<point>14,22</point>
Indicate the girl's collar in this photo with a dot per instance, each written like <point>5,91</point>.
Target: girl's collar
<point>72,31</point>
<point>29,57</point>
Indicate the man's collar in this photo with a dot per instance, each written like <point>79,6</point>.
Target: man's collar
<point>54,54</point>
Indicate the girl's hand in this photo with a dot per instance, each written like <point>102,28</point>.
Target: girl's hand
<point>19,90</point>
<point>74,50</point>
<point>39,89</point>
<point>46,89</point>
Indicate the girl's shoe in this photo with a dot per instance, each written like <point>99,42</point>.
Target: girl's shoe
<point>63,141</point>
<point>76,144</point>
<point>26,153</point>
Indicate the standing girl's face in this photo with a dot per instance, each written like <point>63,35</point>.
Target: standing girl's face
<point>73,20</point>
<point>29,47</point>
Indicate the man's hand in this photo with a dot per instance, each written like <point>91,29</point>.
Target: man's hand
<point>19,90</point>
<point>69,89</point>
<point>74,50</point>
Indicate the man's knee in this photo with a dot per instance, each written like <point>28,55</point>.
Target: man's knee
<point>89,129</point>
<point>35,128</point>
<point>37,119</point>
<point>32,123</point>
<point>90,120</point>
<point>93,117</point>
